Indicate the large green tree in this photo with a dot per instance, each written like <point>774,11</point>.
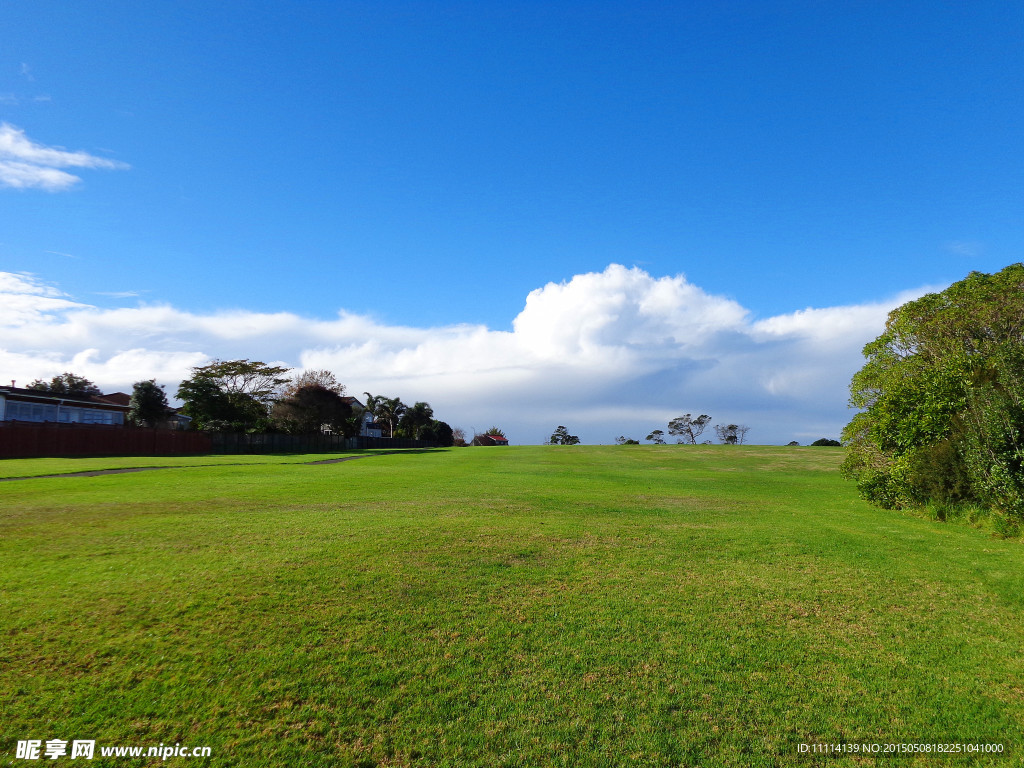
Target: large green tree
<point>311,407</point>
<point>942,400</point>
<point>232,394</point>
<point>415,419</point>
<point>438,432</point>
<point>148,404</point>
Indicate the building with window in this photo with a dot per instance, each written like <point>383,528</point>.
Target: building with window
<point>489,440</point>
<point>18,404</point>
<point>368,426</point>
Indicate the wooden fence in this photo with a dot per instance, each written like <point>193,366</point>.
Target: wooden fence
<point>23,439</point>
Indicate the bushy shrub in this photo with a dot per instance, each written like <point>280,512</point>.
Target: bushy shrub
<point>942,395</point>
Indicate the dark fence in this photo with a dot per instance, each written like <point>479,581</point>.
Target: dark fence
<point>23,440</point>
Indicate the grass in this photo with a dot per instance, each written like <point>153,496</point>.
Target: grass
<point>592,606</point>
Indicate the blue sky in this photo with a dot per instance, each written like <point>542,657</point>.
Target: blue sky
<point>424,166</point>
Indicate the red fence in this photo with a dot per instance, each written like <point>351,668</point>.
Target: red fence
<point>20,439</point>
<point>26,439</point>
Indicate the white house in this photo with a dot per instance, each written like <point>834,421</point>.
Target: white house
<point>368,426</point>
<point>18,404</point>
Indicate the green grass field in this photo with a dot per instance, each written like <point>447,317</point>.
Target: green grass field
<point>585,606</point>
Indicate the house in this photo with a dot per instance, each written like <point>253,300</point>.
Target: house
<point>489,440</point>
<point>19,404</point>
<point>176,419</point>
<point>368,427</point>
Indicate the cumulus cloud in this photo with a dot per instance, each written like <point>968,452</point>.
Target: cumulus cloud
<point>27,165</point>
<point>606,353</point>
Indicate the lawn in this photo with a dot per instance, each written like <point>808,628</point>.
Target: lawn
<point>577,606</point>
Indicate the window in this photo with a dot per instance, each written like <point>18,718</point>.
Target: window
<point>31,412</point>
<point>65,414</point>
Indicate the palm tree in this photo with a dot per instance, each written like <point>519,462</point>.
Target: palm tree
<point>415,418</point>
<point>387,409</point>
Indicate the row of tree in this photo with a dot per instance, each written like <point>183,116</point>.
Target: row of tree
<point>252,396</point>
<point>688,429</point>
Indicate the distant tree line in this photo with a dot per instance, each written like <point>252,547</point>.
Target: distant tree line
<point>687,429</point>
<point>253,396</point>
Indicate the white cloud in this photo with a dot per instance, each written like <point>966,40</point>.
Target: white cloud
<point>27,165</point>
<point>119,294</point>
<point>968,248</point>
<point>606,353</point>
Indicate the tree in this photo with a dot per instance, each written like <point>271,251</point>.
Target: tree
<point>438,432</point>
<point>494,431</point>
<point>66,384</point>
<point>561,436</point>
<point>825,441</point>
<point>414,419</point>
<point>445,435</point>
<point>320,378</point>
<point>310,408</point>
<point>231,394</point>
<point>688,427</point>
<point>459,437</point>
<point>657,437</point>
<point>353,425</point>
<point>386,409</point>
<point>732,434</point>
<point>623,440</point>
<point>942,401</point>
<point>253,378</point>
<point>148,404</point>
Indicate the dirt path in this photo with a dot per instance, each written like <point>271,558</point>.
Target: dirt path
<point>98,472</point>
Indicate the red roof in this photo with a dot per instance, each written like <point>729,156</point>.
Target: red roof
<point>118,398</point>
<point>42,396</point>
